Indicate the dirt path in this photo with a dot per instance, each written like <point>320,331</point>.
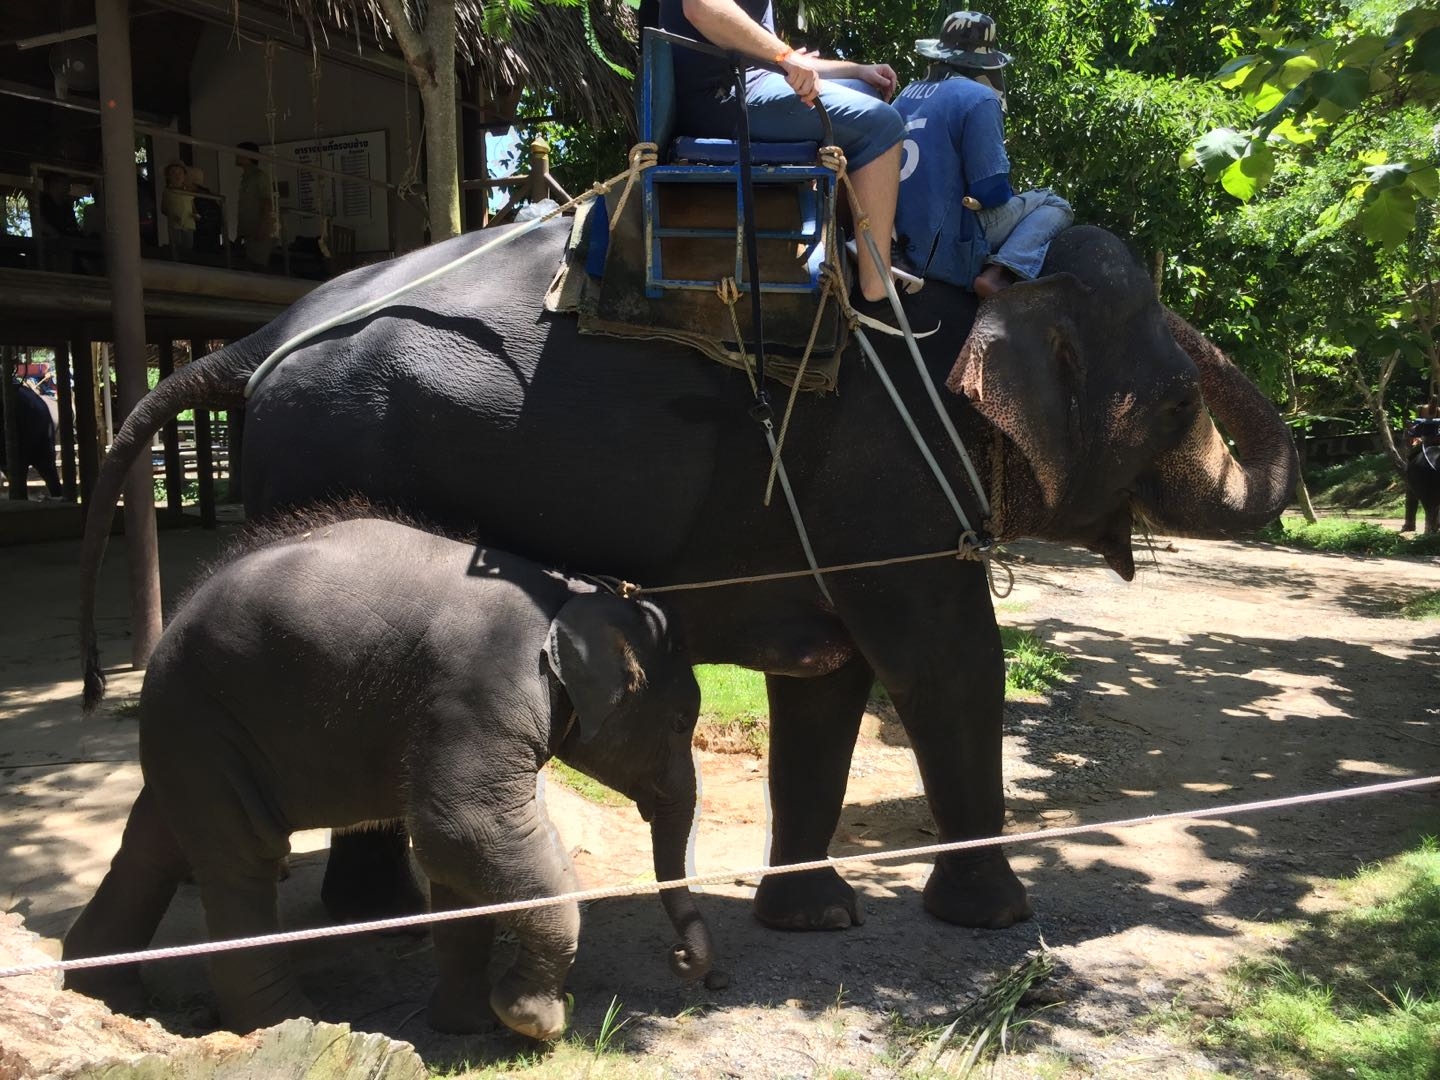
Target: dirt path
<point>1224,673</point>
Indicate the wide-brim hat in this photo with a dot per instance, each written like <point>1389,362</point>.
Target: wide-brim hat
<point>967,40</point>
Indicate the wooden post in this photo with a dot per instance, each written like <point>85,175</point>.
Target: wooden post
<point>170,440</point>
<point>127,304</point>
<point>65,392</point>
<point>234,451</point>
<point>539,170</point>
<point>87,432</point>
<point>204,451</point>
<point>10,391</point>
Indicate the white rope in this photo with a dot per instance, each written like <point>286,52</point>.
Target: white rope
<point>713,878</point>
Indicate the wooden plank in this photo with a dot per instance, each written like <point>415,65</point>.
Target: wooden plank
<point>170,440</point>
<point>204,451</point>
<point>63,391</point>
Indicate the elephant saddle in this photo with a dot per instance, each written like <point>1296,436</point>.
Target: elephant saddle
<point>602,279</point>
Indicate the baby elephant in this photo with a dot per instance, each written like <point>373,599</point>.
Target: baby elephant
<point>366,671</point>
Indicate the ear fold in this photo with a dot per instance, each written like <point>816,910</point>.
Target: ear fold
<point>589,648</point>
<point>1023,368</point>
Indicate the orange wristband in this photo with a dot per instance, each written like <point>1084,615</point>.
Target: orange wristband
<point>784,54</point>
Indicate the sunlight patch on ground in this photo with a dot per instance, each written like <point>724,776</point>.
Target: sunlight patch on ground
<point>1371,768</point>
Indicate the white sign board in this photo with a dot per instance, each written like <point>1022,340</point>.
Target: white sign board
<point>305,197</point>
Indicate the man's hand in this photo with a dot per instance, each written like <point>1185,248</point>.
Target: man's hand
<point>801,72</point>
<point>880,76</point>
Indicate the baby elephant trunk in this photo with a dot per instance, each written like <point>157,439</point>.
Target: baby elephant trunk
<point>693,956</point>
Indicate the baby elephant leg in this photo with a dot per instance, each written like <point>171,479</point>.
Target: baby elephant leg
<point>511,858</point>
<point>460,1004</point>
<point>128,906</point>
<point>255,987</point>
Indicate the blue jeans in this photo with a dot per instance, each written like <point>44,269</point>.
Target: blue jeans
<point>863,125</point>
<point>1019,231</point>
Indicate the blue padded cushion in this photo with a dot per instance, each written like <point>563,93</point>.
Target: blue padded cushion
<point>727,152</point>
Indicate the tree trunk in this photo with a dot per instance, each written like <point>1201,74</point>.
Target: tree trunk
<point>430,54</point>
<point>1302,493</point>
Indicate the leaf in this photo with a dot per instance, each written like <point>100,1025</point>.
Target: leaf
<point>1269,36</point>
<point>1286,129</point>
<point>1426,181</point>
<point>1389,217</point>
<point>1426,54</point>
<point>1372,157</point>
<point>1413,24</point>
<point>1215,150</point>
<point>1296,70</point>
<point>1362,52</point>
<point>1344,88</point>
<point>1265,97</point>
<point>1384,177</point>
<point>1252,172</point>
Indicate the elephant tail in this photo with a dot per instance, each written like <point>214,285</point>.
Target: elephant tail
<point>216,381</point>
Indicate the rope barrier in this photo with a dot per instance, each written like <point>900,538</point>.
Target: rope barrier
<point>713,878</point>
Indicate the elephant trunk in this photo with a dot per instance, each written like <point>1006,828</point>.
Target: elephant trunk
<point>693,956</point>
<point>1201,488</point>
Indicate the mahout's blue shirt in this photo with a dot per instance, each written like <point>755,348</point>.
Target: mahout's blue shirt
<point>954,146</point>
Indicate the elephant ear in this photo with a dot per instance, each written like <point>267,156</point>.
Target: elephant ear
<point>1023,368</point>
<point>590,650</point>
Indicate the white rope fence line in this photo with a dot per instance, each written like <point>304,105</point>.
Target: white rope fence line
<point>713,878</point>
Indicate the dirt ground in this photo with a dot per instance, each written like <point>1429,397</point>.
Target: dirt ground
<point>1224,673</point>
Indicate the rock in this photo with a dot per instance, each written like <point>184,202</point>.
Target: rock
<point>46,1031</point>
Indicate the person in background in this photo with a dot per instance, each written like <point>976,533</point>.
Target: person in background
<point>178,206</point>
<point>255,217</point>
<point>209,218</point>
<point>957,218</point>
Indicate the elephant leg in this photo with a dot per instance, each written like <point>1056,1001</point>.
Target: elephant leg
<point>256,988</point>
<point>813,727</point>
<point>949,688</point>
<point>45,466</point>
<point>510,856</point>
<point>124,912</point>
<point>1412,503</point>
<point>460,1003</point>
<point>370,875</point>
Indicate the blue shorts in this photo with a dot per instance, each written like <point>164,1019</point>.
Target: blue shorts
<point>864,126</point>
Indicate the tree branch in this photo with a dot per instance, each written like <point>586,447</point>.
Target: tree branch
<point>415,49</point>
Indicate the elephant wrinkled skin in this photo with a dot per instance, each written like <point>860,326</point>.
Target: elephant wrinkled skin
<point>466,404</point>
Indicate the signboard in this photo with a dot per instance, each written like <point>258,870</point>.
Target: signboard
<point>306,198</point>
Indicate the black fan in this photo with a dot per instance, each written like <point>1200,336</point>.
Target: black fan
<point>76,67</point>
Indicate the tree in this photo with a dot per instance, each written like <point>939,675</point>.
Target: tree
<point>429,50</point>
<point>1304,91</point>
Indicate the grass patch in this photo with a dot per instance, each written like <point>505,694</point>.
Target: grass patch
<point>126,708</point>
<point>1031,666</point>
<point>573,1057</point>
<point>1424,606</point>
<point>1368,483</point>
<point>735,712</point>
<point>586,787</point>
<point>1357,993</point>
<point>1347,536</point>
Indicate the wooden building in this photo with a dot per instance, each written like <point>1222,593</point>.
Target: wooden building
<point>108,254</point>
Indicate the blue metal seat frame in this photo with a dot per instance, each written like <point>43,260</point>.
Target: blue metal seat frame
<point>711,161</point>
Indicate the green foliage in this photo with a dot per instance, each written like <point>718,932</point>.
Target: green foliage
<point>1424,606</point>
<point>1358,994</point>
<point>1369,482</point>
<point>1347,536</point>
<point>1303,90</point>
<point>1031,666</point>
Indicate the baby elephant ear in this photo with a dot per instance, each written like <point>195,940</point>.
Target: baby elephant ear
<point>590,651</point>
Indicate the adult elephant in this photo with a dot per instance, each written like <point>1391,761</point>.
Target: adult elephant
<point>467,404</point>
<point>38,416</point>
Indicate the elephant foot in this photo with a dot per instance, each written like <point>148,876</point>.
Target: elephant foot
<point>459,1013</point>
<point>813,900</point>
<point>529,1009</point>
<point>981,892</point>
<point>371,875</point>
<point>119,988</point>
<point>242,1021</point>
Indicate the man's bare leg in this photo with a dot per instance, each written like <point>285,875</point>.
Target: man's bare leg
<point>877,184</point>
